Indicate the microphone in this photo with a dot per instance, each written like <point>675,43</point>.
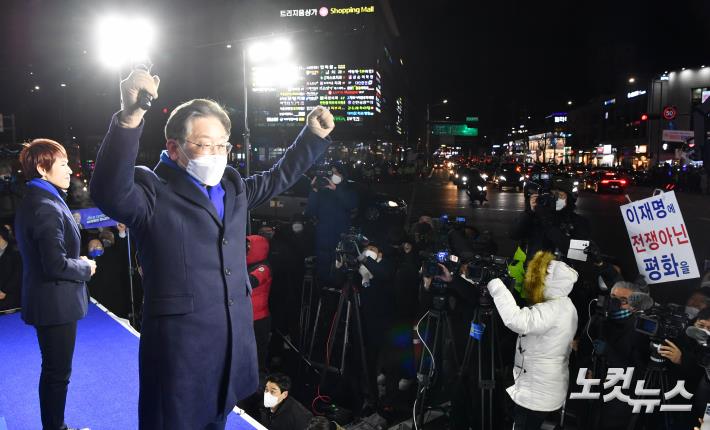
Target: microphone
<point>640,301</point>
<point>145,100</point>
<point>697,334</point>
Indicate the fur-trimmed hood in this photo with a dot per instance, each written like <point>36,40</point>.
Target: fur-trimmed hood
<point>547,278</point>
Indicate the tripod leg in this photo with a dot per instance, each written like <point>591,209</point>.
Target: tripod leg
<point>334,330</point>
<point>315,328</point>
<point>346,337</point>
<point>370,389</point>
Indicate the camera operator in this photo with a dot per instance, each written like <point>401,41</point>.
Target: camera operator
<point>377,301</point>
<point>545,332</point>
<point>331,202</point>
<point>550,220</point>
<point>611,341</point>
<point>699,334</point>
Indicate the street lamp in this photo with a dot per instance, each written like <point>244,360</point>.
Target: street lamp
<point>273,56</point>
<point>569,103</point>
<point>428,128</point>
<point>123,40</point>
<point>632,80</point>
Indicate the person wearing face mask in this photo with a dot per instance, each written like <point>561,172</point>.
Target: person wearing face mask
<point>281,411</point>
<point>610,335</point>
<point>332,208</point>
<point>109,286</point>
<point>54,294</point>
<point>551,228</point>
<point>188,215</point>
<point>377,307</point>
<point>699,299</point>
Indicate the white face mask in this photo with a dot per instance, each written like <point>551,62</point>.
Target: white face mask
<point>208,169</point>
<point>691,311</point>
<point>122,234</point>
<point>297,228</point>
<point>270,400</point>
<point>560,204</point>
<point>372,254</point>
<point>336,179</point>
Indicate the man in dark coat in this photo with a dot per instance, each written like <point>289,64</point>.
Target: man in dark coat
<point>188,216</point>
<point>331,206</point>
<point>281,411</point>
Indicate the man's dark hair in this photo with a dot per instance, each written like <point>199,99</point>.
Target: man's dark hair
<point>704,314</point>
<point>282,381</point>
<point>180,119</point>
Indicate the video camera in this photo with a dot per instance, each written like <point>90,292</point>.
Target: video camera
<point>432,260</point>
<point>322,176</point>
<point>350,247</point>
<point>660,323</point>
<point>541,184</point>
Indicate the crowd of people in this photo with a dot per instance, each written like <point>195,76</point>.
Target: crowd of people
<point>558,317</point>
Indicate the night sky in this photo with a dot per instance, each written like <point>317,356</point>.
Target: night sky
<point>508,59</point>
<point>500,60</point>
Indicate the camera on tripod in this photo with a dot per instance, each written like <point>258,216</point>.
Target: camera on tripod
<point>660,323</point>
<point>349,249</point>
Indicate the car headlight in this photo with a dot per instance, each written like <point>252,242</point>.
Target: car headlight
<point>575,189</point>
<point>575,183</point>
<point>484,176</point>
<point>456,176</point>
<point>480,188</point>
<point>465,178</point>
<point>521,179</point>
<point>392,204</point>
<point>501,178</point>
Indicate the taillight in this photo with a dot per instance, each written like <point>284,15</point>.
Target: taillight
<point>605,181</point>
<point>623,182</point>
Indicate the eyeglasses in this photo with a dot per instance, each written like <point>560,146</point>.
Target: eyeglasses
<point>622,300</point>
<point>211,148</point>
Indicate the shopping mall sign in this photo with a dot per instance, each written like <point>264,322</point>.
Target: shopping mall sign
<point>454,130</point>
<point>325,11</point>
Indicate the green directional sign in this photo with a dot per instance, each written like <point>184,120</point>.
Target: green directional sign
<point>454,130</point>
<point>471,119</point>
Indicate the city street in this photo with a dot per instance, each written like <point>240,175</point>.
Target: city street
<point>438,196</point>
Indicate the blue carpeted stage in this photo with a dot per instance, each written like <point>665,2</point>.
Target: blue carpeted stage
<point>103,393</point>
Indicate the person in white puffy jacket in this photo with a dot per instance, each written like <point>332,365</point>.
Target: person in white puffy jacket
<point>545,331</point>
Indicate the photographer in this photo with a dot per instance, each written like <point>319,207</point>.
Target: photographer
<point>331,205</point>
<point>377,301</point>
<point>545,332</point>
<point>550,220</point>
<point>611,341</point>
<point>700,351</point>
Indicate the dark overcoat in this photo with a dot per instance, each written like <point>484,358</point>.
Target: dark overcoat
<point>197,348</point>
<point>53,276</point>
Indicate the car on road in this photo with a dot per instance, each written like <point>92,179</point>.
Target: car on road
<point>509,175</point>
<point>606,180</point>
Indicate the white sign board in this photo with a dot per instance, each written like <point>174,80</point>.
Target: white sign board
<point>659,239</point>
<point>677,135</point>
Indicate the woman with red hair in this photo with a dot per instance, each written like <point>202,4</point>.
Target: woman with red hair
<point>54,294</point>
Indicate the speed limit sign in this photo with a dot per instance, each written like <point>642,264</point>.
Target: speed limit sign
<point>669,113</point>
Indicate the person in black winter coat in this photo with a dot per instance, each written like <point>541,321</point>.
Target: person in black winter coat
<point>545,228</point>
<point>332,207</point>
<point>282,412</point>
